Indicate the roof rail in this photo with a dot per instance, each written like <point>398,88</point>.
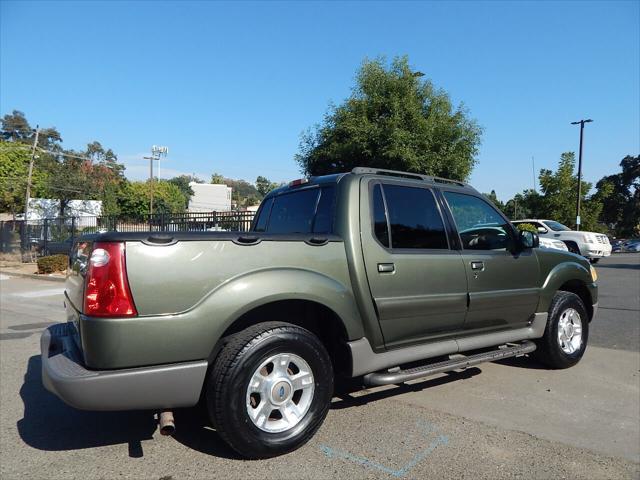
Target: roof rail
<point>397,173</point>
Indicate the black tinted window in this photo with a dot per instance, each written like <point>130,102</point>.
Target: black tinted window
<point>480,226</point>
<point>324,213</point>
<point>379,218</point>
<point>263,216</point>
<point>414,218</point>
<point>293,212</point>
<point>303,211</point>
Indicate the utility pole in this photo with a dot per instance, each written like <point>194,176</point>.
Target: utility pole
<point>30,174</point>
<point>156,154</point>
<point>581,123</point>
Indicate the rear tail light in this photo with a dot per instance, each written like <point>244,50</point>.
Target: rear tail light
<point>107,292</point>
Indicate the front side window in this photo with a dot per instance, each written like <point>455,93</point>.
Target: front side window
<point>480,226</point>
<point>413,217</point>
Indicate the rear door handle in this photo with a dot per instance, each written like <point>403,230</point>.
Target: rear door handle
<point>477,265</point>
<point>386,268</point>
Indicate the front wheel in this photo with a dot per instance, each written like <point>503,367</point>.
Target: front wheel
<point>270,389</point>
<point>566,334</point>
<point>593,261</point>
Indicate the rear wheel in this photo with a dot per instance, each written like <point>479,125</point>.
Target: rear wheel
<point>270,389</point>
<point>566,334</point>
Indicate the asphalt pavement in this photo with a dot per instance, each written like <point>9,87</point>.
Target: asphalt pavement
<point>512,419</point>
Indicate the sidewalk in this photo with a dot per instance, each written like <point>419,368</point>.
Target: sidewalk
<point>28,270</point>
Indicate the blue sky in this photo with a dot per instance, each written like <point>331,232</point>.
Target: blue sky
<point>229,87</point>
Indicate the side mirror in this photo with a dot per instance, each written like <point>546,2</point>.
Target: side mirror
<point>542,230</point>
<point>529,239</point>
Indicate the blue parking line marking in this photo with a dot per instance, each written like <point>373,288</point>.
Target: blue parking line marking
<point>425,427</point>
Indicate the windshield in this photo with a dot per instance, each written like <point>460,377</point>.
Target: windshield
<point>557,227</point>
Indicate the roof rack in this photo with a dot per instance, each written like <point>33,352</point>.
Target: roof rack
<point>397,173</point>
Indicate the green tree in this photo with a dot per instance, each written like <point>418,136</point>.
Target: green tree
<point>182,182</point>
<point>264,185</point>
<point>135,198</point>
<point>217,179</point>
<point>620,196</point>
<point>393,119</point>
<point>493,197</point>
<point>14,166</point>
<point>15,127</point>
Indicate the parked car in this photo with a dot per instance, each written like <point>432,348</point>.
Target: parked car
<point>631,246</point>
<point>616,246</point>
<point>590,245</point>
<point>376,275</point>
<point>551,243</point>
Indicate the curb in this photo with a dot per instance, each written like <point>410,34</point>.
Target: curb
<point>33,275</point>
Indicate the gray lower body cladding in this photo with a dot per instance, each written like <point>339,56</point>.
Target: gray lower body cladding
<point>365,360</point>
<point>156,387</point>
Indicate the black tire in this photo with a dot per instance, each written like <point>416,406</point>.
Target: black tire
<point>593,261</point>
<point>549,351</point>
<point>226,393</point>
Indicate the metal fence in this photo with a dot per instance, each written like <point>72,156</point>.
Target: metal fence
<point>56,235</point>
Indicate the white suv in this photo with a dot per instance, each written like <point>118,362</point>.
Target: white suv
<point>591,245</point>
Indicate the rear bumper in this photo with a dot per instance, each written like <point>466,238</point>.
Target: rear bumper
<point>157,387</point>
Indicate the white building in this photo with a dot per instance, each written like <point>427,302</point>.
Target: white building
<point>209,197</point>
<point>83,210</point>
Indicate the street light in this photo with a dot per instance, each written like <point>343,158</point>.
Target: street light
<point>581,123</point>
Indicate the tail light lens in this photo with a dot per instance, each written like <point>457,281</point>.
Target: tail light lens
<point>107,292</point>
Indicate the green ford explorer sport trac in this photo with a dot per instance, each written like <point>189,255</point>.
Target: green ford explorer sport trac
<point>361,275</point>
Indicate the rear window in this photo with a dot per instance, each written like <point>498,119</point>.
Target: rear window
<point>304,211</point>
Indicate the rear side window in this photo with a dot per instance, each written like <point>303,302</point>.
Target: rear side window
<point>413,216</point>
<point>303,211</point>
<point>263,216</point>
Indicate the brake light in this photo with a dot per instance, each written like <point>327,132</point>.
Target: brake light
<point>107,292</point>
<point>298,182</point>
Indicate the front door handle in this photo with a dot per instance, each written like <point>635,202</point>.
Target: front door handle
<point>477,265</point>
<point>386,268</point>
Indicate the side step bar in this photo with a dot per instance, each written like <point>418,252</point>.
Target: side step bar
<point>458,362</point>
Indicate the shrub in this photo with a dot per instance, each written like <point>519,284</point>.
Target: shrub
<point>53,263</point>
<point>527,227</point>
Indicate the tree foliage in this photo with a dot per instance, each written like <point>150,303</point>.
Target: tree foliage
<point>557,198</point>
<point>264,185</point>
<point>135,197</point>
<point>393,119</point>
<point>620,195</point>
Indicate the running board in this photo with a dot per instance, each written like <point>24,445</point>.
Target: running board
<point>458,362</point>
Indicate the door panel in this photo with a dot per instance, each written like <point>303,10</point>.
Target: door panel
<point>504,294</point>
<point>419,293</point>
<point>503,285</point>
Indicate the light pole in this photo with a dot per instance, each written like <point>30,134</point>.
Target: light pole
<point>156,154</point>
<point>581,123</point>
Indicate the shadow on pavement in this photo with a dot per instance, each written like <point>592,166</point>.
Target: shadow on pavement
<point>50,424</point>
<point>628,266</point>
<point>194,431</point>
<point>348,401</point>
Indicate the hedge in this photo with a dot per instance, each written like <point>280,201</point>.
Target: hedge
<point>53,263</point>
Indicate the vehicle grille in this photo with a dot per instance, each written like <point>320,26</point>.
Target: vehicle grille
<point>602,239</point>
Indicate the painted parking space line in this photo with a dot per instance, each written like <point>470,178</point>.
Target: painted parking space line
<point>427,429</point>
<point>4,277</point>
<point>49,292</point>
